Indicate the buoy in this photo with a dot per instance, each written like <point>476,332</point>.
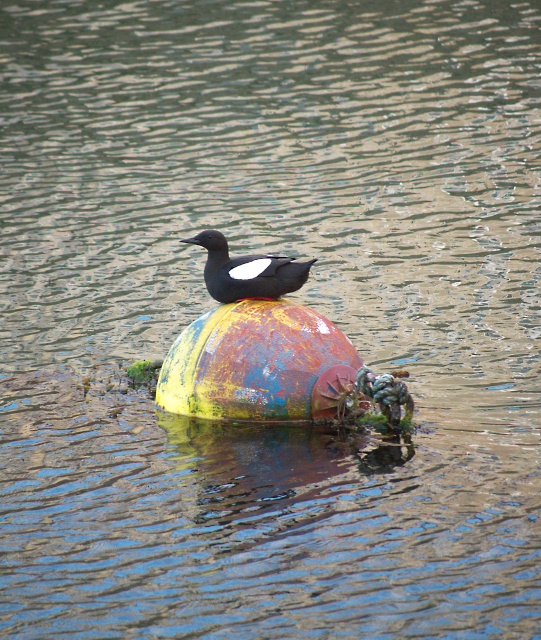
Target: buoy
<point>252,360</point>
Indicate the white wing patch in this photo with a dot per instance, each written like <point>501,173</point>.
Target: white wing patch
<point>250,269</point>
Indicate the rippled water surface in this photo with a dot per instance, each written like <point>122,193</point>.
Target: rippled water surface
<point>399,143</point>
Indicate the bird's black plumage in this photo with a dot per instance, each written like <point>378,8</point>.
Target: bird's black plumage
<point>258,276</point>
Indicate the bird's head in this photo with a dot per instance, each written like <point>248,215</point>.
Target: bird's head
<point>212,240</point>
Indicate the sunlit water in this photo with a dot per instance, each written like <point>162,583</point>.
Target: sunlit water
<point>397,142</point>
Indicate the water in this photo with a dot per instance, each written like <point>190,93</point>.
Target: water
<point>398,143</point>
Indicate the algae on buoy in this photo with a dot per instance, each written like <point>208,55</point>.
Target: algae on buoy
<point>251,360</point>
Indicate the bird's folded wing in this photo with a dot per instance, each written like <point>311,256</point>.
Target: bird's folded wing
<point>280,257</point>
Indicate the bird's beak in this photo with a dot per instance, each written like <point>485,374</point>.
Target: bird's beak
<point>191,241</point>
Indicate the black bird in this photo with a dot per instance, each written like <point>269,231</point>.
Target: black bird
<point>259,277</point>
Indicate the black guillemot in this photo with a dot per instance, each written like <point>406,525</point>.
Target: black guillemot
<point>248,277</point>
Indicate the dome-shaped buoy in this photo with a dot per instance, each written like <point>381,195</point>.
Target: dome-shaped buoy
<point>252,360</point>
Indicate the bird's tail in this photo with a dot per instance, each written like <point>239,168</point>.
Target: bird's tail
<point>293,275</point>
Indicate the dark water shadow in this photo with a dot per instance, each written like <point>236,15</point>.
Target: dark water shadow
<point>259,468</point>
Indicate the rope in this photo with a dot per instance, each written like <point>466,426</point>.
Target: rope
<point>386,391</point>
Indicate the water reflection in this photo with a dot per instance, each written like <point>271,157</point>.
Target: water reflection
<point>394,451</point>
<point>253,468</point>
